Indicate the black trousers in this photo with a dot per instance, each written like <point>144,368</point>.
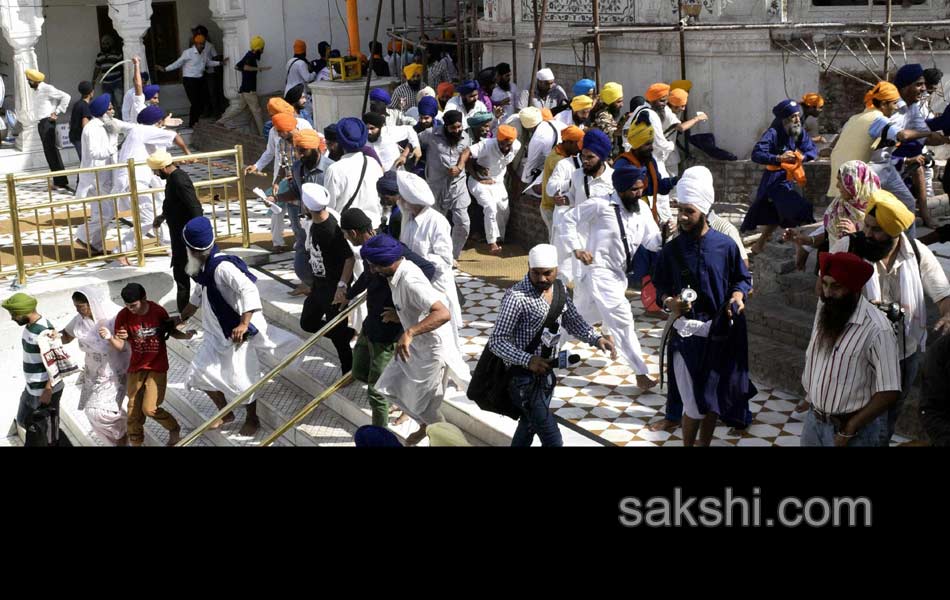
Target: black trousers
<point>182,283</point>
<point>318,310</point>
<point>197,91</point>
<point>41,422</point>
<point>47,131</point>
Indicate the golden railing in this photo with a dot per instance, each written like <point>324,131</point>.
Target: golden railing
<point>276,372</point>
<point>17,215</point>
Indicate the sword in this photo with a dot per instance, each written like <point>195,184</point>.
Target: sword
<point>114,67</point>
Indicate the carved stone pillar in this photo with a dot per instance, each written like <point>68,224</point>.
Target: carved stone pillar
<point>22,24</point>
<point>232,19</point>
<point>131,19</point>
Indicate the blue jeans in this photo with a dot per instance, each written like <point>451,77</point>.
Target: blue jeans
<point>531,394</point>
<point>909,368</point>
<point>301,260</point>
<point>816,434</point>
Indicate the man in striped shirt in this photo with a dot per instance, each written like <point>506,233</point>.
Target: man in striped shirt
<point>852,367</point>
<point>38,393</point>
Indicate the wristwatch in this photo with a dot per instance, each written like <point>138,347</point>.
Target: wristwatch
<point>341,285</point>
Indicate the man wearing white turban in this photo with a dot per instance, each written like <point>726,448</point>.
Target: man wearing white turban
<point>527,337</point>
<point>427,232</point>
<point>700,278</point>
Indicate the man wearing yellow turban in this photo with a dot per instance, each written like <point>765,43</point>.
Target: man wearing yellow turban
<point>48,104</point>
<point>652,114</point>
<point>247,93</point>
<point>641,139</point>
<point>404,96</point>
<point>579,113</point>
<point>904,270</point>
<point>607,113</point>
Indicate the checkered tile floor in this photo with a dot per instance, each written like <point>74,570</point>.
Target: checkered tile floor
<point>600,395</point>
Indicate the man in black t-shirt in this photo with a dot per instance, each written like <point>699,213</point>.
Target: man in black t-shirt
<point>180,206</point>
<point>248,66</point>
<point>80,115</point>
<point>331,263</point>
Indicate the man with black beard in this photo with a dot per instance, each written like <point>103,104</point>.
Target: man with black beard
<point>506,94</point>
<point>467,101</point>
<point>444,146</point>
<point>904,270</point>
<point>548,94</point>
<point>783,148</point>
<point>334,150</point>
<point>404,96</point>
<point>708,352</point>
<point>851,367</point>
<point>180,206</point>
<point>615,226</point>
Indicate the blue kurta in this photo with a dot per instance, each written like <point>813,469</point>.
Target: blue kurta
<point>777,201</point>
<point>718,364</point>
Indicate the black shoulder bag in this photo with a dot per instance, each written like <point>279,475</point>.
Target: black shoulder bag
<point>489,385</point>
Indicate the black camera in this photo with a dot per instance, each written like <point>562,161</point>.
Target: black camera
<point>893,311</point>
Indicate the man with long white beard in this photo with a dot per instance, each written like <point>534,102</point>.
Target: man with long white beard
<point>100,140</point>
<point>235,332</point>
<point>617,226</point>
<point>783,148</point>
<point>426,354</point>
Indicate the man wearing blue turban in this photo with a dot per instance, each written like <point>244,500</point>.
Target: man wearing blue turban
<point>427,346</point>
<point>617,226</point>
<point>467,101</point>
<point>140,95</point>
<point>236,335</point>
<point>351,180</point>
<point>783,148</point>
<point>100,144</point>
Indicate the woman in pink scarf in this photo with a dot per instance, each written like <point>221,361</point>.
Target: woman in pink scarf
<point>845,214</point>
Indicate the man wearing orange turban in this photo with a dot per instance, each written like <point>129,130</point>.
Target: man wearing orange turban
<point>486,180</point>
<point>298,68</point>
<point>444,93</point>
<point>672,126</point>
<point>812,106</point>
<point>555,184</point>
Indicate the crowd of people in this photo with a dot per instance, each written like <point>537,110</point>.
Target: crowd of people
<point>385,202</point>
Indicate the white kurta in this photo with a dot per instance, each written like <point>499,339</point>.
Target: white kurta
<point>141,141</point>
<point>417,385</point>
<point>493,198</point>
<point>456,103</point>
<point>99,149</point>
<point>220,364</point>
<point>342,178</point>
<point>600,292</point>
<point>430,236</point>
<point>387,146</point>
<point>546,136</point>
<point>132,105</point>
<point>559,184</point>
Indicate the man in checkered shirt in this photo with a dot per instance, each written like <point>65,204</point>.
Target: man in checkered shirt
<point>522,315</point>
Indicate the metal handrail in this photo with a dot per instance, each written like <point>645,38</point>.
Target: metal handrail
<point>276,371</point>
<point>309,408</point>
<point>134,194</point>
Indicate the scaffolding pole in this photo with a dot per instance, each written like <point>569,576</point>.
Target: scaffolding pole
<point>514,45</point>
<point>596,44</point>
<point>755,26</point>
<point>369,71</point>
<point>538,36</point>
<point>887,53</point>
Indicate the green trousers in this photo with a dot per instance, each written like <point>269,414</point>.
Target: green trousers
<point>369,361</point>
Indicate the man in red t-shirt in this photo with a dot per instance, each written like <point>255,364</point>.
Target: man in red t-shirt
<point>143,324</point>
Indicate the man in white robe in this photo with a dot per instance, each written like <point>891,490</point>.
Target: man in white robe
<point>100,141</point>
<point>142,140</point>
<point>228,361</point>
<point>486,180</point>
<point>427,232</point>
<point>139,96</point>
<point>426,354</point>
<point>351,181</point>
<point>617,226</point>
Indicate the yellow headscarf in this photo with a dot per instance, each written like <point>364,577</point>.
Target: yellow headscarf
<point>257,43</point>
<point>35,76</point>
<point>639,135</point>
